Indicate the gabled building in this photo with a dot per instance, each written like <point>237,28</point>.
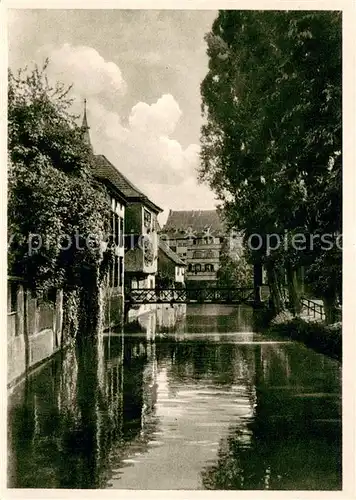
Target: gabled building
<point>141,240</point>
<point>118,206</point>
<point>171,269</point>
<point>197,237</point>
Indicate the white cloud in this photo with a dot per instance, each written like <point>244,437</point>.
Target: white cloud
<point>143,148</point>
<point>87,69</point>
<point>159,118</point>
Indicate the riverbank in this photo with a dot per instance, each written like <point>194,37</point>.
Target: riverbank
<point>326,339</point>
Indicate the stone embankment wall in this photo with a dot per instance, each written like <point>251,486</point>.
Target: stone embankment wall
<point>34,330</point>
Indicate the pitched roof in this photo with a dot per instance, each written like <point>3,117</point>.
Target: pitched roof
<point>104,169</point>
<point>197,220</point>
<point>170,254</point>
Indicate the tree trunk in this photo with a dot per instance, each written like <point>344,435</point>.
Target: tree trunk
<point>257,281</point>
<point>330,309</point>
<point>275,291</point>
<point>293,290</point>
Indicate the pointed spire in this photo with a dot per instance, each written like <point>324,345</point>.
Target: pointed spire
<point>85,127</point>
<point>85,121</point>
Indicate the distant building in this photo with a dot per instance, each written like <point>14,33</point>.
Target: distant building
<point>197,237</point>
<point>171,269</point>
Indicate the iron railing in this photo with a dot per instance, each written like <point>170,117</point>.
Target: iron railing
<point>195,295</point>
<point>313,307</point>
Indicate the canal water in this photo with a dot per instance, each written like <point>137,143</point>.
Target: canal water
<point>204,404</point>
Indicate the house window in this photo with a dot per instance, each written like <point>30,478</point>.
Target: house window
<point>147,219</point>
<point>13,288</point>
<point>52,295</point>
<point>197,268</point>
<point>116,272</point>
<point>113,225</point>
<point>199,254</point>
<point>111,276</point>
<point>209,267</point>
<point>190,268</point>
<point>107,280</point>
<point>121,269</point>
<point>121,225</point>
<point>116,229</point>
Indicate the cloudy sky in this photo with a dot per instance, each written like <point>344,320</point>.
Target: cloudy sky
<point>140,72</point>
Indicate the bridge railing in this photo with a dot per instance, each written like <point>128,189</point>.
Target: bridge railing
<point>313,308</point>
<point>184,295</point>
<point>317,310</point>
<point>144,295</point>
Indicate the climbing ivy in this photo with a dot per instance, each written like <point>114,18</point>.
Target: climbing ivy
<point>57,211</point>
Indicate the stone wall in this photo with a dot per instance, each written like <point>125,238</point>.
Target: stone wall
<point>34,329</point>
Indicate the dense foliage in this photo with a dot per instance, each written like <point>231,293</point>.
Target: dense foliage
<point>54,202</point>
<point>234,270</point>
<point>271,144</point>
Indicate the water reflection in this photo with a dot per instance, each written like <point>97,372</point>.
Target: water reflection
<point>163,408</point>
<point>295,438</point>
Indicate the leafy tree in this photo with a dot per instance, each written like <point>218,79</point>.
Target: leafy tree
<point>54,201</point>
<point>271,145</point>
<point>234,270</point>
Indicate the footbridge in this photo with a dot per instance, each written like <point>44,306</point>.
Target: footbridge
<point>248,296</point>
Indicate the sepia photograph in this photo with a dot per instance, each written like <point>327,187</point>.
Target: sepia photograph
<point>174,249</point>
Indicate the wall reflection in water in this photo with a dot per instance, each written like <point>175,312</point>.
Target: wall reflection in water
<point>157,408</point>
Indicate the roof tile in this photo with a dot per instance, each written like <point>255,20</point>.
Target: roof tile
<point>197,220</point>
<point>170,254</point>
<point>104,169</point>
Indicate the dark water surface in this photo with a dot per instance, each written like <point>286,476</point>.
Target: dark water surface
<point>209,405</point>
